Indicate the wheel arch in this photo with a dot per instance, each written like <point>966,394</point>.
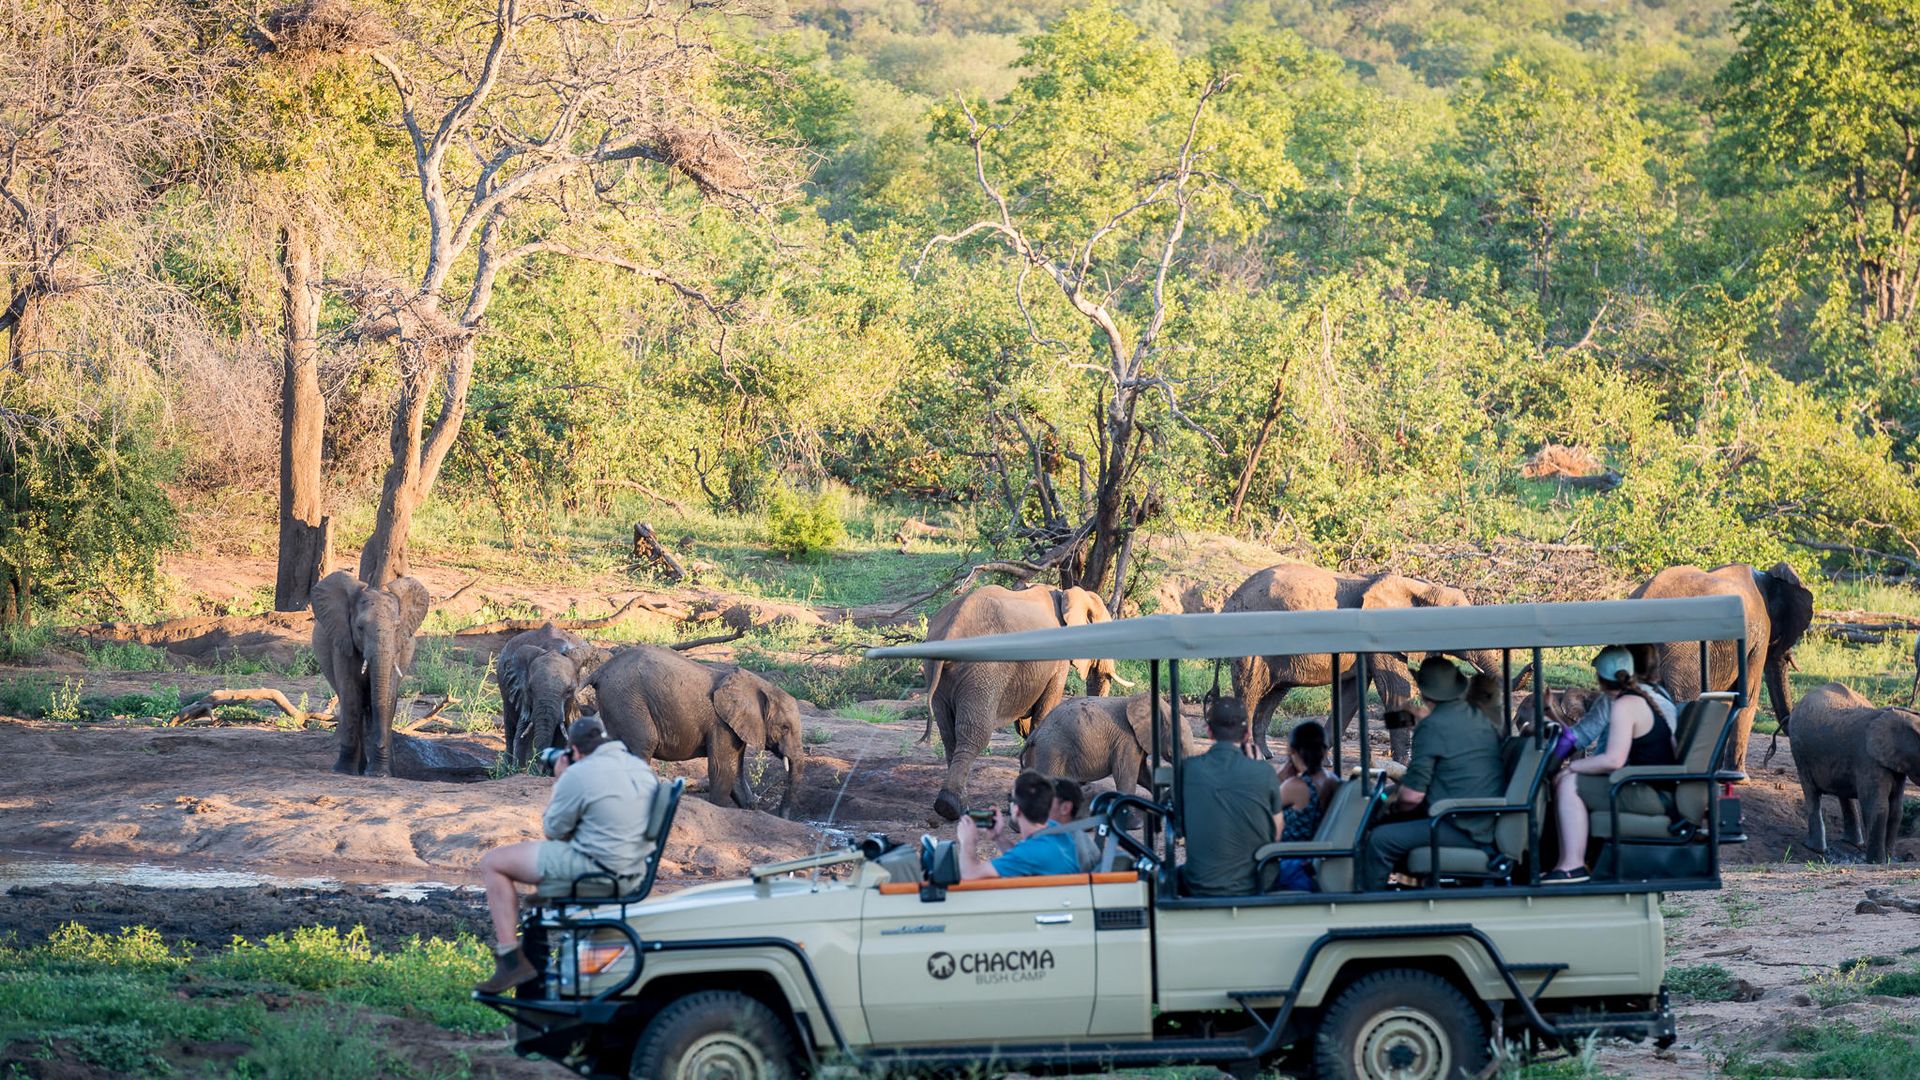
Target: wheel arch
<point>781,982</point>
<point>1458,959</point>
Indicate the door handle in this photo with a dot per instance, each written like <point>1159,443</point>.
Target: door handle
<point>1052,920</point>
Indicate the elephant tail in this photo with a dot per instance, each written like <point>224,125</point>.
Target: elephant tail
<point>934,668</point>
<point>1775,744</point>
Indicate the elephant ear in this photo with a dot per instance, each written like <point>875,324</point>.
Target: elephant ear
<point>1079,607</point>
<point>334,601</point>
<point>741,702</point>
<point>412,600</point>
<point>1140,719</point>
<point>587,659</point>
<point>1789,609</point>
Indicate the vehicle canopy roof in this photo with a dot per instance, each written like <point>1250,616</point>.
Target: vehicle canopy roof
<point>1357,630</point>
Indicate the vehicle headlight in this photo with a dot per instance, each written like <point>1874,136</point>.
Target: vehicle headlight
<point>573,957</point>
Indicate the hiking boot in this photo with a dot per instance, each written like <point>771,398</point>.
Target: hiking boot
<point>510,969</point>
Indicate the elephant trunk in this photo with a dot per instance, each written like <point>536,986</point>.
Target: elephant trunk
<point>793,751</point>
<point>1099,677</point>
<point>1776,677</point>
<point>383,691</point>
<point>1485,661</point>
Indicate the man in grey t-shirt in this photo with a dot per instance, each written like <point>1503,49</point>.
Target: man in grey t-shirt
<point>595,822</point>
<point>1456,755</point>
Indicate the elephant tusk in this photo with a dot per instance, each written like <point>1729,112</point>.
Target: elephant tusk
<point>1125,684</point>
<point>363,666</point>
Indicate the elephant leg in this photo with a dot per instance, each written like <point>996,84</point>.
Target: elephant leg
<point>1262,719</point>
<point>1873,808</point>
<point>378,750</point>
<point>723,770</point>
<point>1350,706</point>
<point>1742,730</point>
<point>943,720</point>
<point>972,726</point>
<point>349,721</point>
<point>1850,823</point>
<point>510,721</point>
<point>1896,805</point>
<point>1129,765</point>
<point>1816,822</point>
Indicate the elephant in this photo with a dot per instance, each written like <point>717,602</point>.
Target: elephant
<point>1847,747</point>
<point>1779,610</point>
<point>1262,682</point>
<point>1092,738</point>
<point>970,701</point>
<point>667,707</point>
<point>542,673</point>
<point>363,638</point>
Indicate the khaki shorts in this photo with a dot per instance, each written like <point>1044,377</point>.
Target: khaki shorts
<point>559,864</point>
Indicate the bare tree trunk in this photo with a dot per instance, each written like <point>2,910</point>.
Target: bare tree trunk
<point>305,533</point>
<point>22,320</point>
<point>16,598</point>
<point>418,452</point>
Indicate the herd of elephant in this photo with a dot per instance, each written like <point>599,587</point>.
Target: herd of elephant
<point>667,707</point>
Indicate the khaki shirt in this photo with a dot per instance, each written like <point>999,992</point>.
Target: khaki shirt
<point>1456,755</point>
<point>599,808</point>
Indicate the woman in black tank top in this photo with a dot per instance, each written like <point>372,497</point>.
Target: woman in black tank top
<point>1639,733</point>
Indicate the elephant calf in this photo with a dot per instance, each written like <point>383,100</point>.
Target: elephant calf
<point>541,675</point>
<point>363,640</point>
<point>1092,738</point>
<point>1847,747</point>
<point>666,707</point>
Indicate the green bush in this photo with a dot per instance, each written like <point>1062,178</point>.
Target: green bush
<point>1701,982</point>
<point>803,525</point>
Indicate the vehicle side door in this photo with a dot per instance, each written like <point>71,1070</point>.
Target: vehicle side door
<point>999,959</point>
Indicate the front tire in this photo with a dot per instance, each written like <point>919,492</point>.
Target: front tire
<point>715,1035</point>
<point>1402,1024</point>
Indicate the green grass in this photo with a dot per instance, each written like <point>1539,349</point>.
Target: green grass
<point>23,643</point>
<point>125,656</point>
<point>1701,982</point>
<point>125,1001</point>
<point>1837,1049</point>
<point>29,696</point>
<point>871,714</point>
<point>438,671</point>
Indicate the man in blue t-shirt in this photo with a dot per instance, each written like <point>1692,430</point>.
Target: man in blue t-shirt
<point>1049,854</point>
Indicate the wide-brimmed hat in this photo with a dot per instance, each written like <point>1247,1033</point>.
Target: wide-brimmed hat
<point>586,734</point>
<point>1440,680</point>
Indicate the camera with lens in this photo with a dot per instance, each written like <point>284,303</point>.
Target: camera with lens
<point>550,755</point>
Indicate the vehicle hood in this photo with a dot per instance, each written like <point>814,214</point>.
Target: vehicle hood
<point>742,907</point>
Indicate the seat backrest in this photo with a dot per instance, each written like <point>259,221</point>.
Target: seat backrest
<point>1086,846</point>
<point>1701,753</point>
<point>1346,816</point>
<point>1685,724</point>
<point>666,797</point>
<point>1510,833</point>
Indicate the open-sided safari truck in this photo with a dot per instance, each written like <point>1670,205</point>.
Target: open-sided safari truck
<point>887,961</point>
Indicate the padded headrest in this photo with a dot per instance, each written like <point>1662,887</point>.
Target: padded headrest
<point>663,797</point>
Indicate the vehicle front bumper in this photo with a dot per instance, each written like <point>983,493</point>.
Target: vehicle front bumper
<point>562,1031</point>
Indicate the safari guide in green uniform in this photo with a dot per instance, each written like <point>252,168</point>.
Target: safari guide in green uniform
<point>595,822</point>
<point>1231,808</point>
<point>1456,755</point>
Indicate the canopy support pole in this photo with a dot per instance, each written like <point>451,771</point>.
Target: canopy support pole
<point>1360,692</point>
<point>1506,693</point>
<point>1153,705</point>
<point>1336,723</point>
<point>1539,697</point>
<point>1175,824</point>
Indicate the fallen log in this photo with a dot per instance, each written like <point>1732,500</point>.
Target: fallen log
<point>649,552</point>
<point>457,593</point>
<point>217,698</point>
<point>713,639</point>
<point>643,602</point>
<point>430,714</point>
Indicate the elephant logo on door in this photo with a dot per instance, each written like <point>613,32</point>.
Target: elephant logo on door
<point>940,965</point>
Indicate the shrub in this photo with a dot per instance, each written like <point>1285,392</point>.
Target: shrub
<point>802,525</point>
<point>1701,982</point>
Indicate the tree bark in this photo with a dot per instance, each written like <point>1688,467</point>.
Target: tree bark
<point>22,320</point>
<point>418,452</point>
<point>305,532</point>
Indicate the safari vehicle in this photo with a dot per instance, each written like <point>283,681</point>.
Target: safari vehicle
<point>879,959</point>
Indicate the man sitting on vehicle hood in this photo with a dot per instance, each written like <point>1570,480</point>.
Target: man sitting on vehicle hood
<point>1053,853</point>
<point>596,823</point>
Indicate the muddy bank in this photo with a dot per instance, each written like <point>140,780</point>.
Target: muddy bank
<point>214,917</point>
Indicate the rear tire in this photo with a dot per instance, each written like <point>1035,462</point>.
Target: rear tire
<point>715,1035</point>
<point>1402,1024</point>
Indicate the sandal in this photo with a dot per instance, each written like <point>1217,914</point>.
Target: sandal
<point>1565,877</point>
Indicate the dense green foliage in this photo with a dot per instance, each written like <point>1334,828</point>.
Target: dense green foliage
<point>1426,239</point>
